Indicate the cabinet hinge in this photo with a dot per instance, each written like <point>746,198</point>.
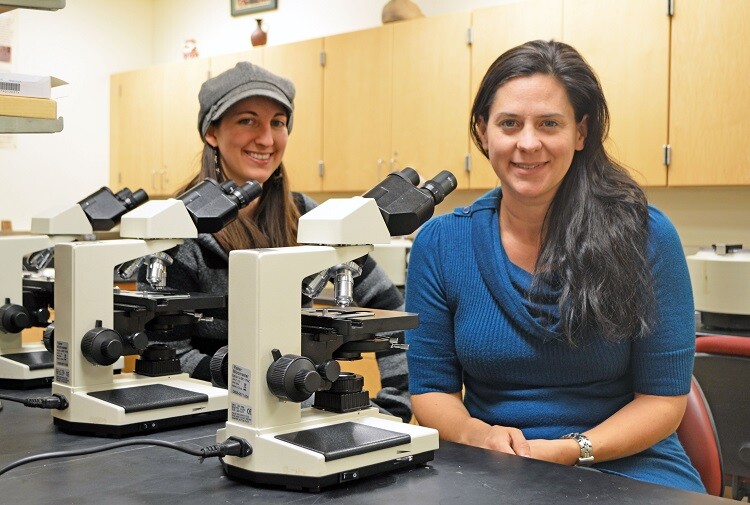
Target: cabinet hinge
<point>469,36</point>
<point>670,7</point>
<point>321,168</point>
<point>322,58</point>
<point>667,154</point>
<point>467,162</point>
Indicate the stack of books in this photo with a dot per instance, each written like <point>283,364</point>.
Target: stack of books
<point>28,96</point>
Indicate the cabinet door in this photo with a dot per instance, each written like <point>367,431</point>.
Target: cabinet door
<point>301,63</point>
<point>431,61</point>
<point>136,130</point>
<point>223,62</point>
<point>357,109</point>
<point>629,50</point>
<point>495,30</point>
<point>709,97</point>
<point>181,142</point>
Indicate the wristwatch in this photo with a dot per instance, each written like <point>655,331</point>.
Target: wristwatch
<point>586,457</point>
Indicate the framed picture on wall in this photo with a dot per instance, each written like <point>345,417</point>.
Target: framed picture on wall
<point>240,7</point>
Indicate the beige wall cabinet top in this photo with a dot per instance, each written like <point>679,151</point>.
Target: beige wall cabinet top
<point>709,120</point>
<point>154,140</point>
<point>301,62</point>
<point>630,53</point>
<point>357,109</point>
<point>396,96</point>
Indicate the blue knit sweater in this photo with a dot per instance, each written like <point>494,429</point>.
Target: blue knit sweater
<point>477,332</point>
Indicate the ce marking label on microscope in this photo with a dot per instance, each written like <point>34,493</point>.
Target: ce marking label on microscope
<point>242,413</point>
<point>240,381</point>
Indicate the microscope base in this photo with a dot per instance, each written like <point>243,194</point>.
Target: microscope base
<point>29,367</point>
<point>133,405</point>
<point>316,484</point>
<point>327,449</point>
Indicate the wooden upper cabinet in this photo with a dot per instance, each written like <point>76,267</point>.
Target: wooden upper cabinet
<point>431,62</point>
<point>301,63</point>
<point>710,96</point>
<point>154,140</point>
<point>495,30</point>
<point>357,109</point>
<point>627,44</point>
<point>222,62</point>
<point>136,129</point>
<point>182,146</point>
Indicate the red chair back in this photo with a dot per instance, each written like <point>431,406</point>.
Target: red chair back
<point>697,434</point>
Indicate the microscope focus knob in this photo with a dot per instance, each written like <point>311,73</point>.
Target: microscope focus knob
<point>48,337</point>
<point>291,377</point>
<point>219,366</point>
<point>101,346</point>
<point>13,317</point>
<point>138,341</point>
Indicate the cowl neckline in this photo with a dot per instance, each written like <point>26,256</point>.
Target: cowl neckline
<point>508,283</point>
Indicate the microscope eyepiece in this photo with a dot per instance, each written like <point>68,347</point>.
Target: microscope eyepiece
<point>441,186</point>
<point>212,206</point>
<point>246,193</point>
<point>404,206</point>
<point>104,209</point>
<point>131,200</point>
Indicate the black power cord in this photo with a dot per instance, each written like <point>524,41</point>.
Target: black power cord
<point>231,447</point>
<point>55,401</point>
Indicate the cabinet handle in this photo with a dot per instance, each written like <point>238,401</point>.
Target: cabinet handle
<point>164,179</point>
<point>380,164</point>
<point>392,161</point>
<point>153,179</point>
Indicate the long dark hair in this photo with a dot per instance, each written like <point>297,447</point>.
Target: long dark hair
<point>273,223</point>
<point>595,232</point>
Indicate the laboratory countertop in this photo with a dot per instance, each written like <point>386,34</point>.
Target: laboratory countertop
<point>155,475</point>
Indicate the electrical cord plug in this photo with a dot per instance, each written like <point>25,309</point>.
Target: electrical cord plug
<point>53,402</point>
<point>230,447</point>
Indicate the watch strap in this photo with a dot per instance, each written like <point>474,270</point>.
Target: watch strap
<point>586,456</point>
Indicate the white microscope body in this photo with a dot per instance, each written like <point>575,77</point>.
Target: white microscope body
<point>101,403</point>
<point>304,448</point>
<point>29,365</point>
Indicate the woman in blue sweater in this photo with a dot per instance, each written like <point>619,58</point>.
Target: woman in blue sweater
<point>556,311</point>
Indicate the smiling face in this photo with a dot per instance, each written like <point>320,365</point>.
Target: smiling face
<point>251,137</point>
<point>531,136</point>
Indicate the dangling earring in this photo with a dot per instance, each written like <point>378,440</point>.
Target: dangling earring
<point>217,164</point>
<point>277,174</point>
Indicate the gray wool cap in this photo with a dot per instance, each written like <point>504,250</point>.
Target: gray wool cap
<point>244,80</point>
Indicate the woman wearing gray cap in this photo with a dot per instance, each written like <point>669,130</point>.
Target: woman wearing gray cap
<point>246,115</point>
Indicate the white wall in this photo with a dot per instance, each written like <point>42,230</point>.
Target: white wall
<point>90,39</point>
<point>82,44</point>
<point>210,22</point>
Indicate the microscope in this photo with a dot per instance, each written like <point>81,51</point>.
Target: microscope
<point>277,356</point>
<point>28,292</point>
<point>96,325</point>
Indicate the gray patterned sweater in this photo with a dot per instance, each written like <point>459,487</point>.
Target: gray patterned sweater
<point>201,265</point>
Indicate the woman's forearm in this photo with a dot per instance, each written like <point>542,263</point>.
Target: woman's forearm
<point>446,413</point>
<point>637,426</point>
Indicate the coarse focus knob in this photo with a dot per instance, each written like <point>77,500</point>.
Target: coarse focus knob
<point>101,346</point>
<point>219,366</point>
<point>48,337</point>
<point>291,377</point>
<point>13,317</point>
